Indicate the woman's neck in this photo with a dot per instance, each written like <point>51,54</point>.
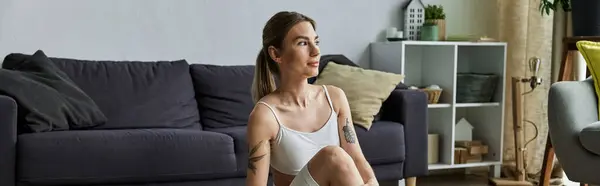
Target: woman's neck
<point>294,91</point>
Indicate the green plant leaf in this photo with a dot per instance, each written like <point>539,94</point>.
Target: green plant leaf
<point>434,12</point>
<point>552,5</point>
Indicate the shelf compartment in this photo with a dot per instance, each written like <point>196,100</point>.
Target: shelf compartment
<point>487,125</point>
<point>431,65</point>
<point>441,125</point>
<point>483,60</point>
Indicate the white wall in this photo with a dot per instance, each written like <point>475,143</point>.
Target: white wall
<point>226,32</point>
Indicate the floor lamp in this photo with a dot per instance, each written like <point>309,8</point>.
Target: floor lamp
<point>533,81</point>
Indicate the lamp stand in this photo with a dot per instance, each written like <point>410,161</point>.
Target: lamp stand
<point>533,81</point>
<point>518,136</point>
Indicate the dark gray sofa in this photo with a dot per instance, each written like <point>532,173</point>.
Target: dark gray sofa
<point>172,123</point>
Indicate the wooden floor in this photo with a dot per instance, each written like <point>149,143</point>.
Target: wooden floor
<point>447,180</point>
<point>467,180</point>
<point>453,180</point>
<point>476,178</point>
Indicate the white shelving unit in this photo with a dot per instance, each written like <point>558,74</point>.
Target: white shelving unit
<point>431,62</point>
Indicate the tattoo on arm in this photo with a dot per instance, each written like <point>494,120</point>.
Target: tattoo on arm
<point>253,159</point>
<point>348,132</point>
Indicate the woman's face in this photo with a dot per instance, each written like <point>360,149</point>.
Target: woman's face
<point>299,54</point>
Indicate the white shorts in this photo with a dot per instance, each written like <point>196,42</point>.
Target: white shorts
<point>304,178</point>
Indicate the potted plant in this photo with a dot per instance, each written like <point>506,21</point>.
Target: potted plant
<point>434,14</point>
<point>430,31</point>
<point>585,15</point>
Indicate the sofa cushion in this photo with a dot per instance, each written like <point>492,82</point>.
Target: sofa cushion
<point>129,155</point>
<point>136,94</point>
<point>343,60</point>
<point>223,94</point>
<point>590,136</point>
<point>383,143</point>
<point>240,142</point>
<point>365,89</point>
<point>48,100</point>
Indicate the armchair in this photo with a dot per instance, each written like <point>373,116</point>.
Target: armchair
<point>574,129</point>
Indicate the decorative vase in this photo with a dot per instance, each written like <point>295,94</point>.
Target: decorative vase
<point>441,24</point>
<point>585,17</point>
<point>429,33</point>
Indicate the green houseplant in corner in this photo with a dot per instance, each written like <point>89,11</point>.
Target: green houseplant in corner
<point>585,15</point>
<point>434,15</point>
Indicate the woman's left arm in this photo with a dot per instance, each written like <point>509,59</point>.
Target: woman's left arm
<point>348,138</point>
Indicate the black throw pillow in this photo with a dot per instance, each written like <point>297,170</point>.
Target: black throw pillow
<point>47,99</point>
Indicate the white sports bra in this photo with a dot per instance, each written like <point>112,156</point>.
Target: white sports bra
<point>293,149</point>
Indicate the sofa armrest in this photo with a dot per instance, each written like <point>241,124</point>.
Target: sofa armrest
<point>409,108</point>
<point>8,140</point>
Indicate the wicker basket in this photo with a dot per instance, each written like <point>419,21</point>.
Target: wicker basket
<point>475,88</point>
<point>433,95</point>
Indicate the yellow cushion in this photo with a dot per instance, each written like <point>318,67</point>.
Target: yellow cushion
<point>365,89</point>
<point>591,53</point>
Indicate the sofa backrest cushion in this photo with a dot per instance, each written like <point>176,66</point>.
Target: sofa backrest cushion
<point>223,94</point>
<point>137,94</point>
<point>343,60</point>
<point>48,100</point>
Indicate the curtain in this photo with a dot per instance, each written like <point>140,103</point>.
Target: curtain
<point>528,34</point>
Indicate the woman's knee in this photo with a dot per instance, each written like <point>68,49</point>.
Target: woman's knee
<point>331,160</point>
<point>336,156</point>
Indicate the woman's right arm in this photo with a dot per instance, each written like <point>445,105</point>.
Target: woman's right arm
<point>259,133</point>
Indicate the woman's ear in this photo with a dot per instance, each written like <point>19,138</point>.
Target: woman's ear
<point>274,54</point>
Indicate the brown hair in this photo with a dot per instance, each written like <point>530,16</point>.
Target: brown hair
<point>273,34</point>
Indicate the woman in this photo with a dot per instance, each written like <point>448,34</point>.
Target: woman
<point>303,131</point>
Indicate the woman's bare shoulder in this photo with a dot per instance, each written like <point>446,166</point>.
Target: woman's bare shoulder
<point>334,90</point>
<point>335,93</point>
<point>262,117</point>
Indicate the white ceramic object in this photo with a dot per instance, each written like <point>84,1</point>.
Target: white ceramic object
<point>391,32</point>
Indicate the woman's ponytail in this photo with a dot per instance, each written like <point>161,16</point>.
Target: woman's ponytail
<point>264,82</point>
